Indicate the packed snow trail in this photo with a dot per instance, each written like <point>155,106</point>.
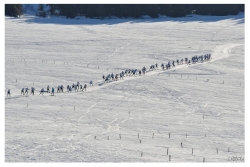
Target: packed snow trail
<point>220,52</point>
<point>85,126</point>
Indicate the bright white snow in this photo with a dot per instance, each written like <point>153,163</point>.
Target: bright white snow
<point>203,116</point>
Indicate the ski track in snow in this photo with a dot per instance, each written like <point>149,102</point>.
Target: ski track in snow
<point>50,130</point>
<point>220,52</point>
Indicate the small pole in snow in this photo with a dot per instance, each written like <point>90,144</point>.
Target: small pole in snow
<point>217,150</point>
<point>16,80</point>
<point>203,160</point>
<point>169,157</point>
<point>138,135</point>
<point>74,108</point>
<point>95,137</point>
<point>140,141</point>
<point>186,135</point>
<point>228,149</point>
<point>167,151</point>
<point>120,136</point>
<point>27,105</point>
<point>153,135</point>
<point>169,135</point>
<point>141,154</point>
<point>223,82</point>
<point>181,75</point>
<point>205,135</point>
<point>181,145</point>
<point>192,150</point>
<point>203,116</point>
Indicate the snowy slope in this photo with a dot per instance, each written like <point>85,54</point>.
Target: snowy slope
<point>190,103</point>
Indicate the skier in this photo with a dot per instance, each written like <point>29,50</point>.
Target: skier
<point>91,83</point>
<point>32,90</point>
<point>81,87</point>
<point>162,66</point>
<point>112,76</point>
<point>173,64</point>
<point>181,61</point>
<point>134,71</point>
<point>107,79</point>
<point>85,86</point>
<point>52,91</point>
<point>8,93</point>
<point>121,75</point>
<point>143,70</point>
<point>48,89</point>
<point>61,88</point>
<point>78,84</point>
<point>169,65</point>
<point>26,90</point>
<point>58,89</point>
<point>103,77</point>
<point>41,92</point>
<point>22,91</point>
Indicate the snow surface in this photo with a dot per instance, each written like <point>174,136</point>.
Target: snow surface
<point>189,102</point>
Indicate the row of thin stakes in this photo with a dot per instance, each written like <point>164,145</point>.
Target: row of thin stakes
<point>217,150</point>
<point>98,67</point>
<point>45,61</point>
<point>140,141</point>
<point>206,80</point>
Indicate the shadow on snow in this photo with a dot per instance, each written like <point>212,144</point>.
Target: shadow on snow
<point>238,19</point>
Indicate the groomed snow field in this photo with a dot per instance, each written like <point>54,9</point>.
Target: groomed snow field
<point>191,113</point>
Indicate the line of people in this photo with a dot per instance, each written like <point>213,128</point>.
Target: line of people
<point>76,87</point>
<point>169,65</point>
<point>109,77</point>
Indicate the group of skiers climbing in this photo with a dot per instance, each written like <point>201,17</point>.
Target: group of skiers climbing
<point>168,65</point>
<point>122,74</point>
<point>78,86</point>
